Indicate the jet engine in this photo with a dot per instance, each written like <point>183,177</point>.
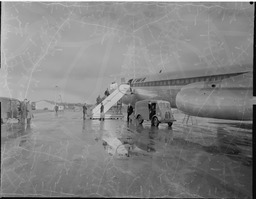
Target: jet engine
<point>227,99</point>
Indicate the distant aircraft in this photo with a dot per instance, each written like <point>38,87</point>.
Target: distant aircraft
<point>222,93</point>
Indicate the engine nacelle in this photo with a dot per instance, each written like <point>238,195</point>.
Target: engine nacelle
<point>227,99</point>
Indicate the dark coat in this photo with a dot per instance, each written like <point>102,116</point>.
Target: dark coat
<point>129,110</point>
<point>102,108</point>
<point>84,109</point>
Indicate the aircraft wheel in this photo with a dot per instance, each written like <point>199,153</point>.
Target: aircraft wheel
<point>169,124</point>
<point>155,121</point>
<point>140,120</point>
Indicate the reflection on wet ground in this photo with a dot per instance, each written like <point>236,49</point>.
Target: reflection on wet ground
<point>66,156</point>
<point>240,125</point>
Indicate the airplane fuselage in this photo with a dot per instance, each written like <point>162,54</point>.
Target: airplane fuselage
<point>223,96</point>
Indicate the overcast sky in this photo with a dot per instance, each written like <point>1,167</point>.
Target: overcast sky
<point>82,47</point>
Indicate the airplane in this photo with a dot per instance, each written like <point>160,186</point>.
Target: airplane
<point>221,93</point>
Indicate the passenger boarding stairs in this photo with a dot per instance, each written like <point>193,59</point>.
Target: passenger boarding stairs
<point>110,101</point>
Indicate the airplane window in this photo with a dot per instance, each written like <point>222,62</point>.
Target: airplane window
<point>164,82</point>
<point>157,83</point>
<point>187,81</point>
<point>177,82</point>
<point>161,83</point>
<point>182,81</point>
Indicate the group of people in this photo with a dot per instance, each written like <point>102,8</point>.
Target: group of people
<point>99,99</point>
<point>25,112</point>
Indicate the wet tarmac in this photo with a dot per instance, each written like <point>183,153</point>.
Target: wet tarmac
<point>66,156</point>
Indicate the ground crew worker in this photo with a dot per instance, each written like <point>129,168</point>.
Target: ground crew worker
<point>102,112</point>
<point>149,108</point>
<point>153,110</point>
<point>129,112</point>
<point>84,110</point>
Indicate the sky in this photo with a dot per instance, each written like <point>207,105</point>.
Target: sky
<point>76,49</point>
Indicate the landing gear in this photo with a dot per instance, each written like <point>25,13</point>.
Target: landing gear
<point>155,121</point>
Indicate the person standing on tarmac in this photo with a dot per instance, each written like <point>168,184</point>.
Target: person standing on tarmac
<point>23,111</point>
<point>149,109</point>
<point>56,108</point>
<point>84,110</point>
<point>102,112</point>
<point>129,112</point>
<point>29,113</point>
